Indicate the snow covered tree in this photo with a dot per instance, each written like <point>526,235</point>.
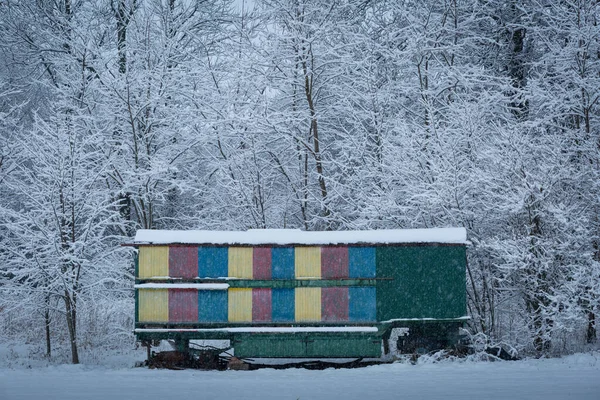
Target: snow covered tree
<point>58,216</point>
<point>152,91</point>
<point>59,248</point>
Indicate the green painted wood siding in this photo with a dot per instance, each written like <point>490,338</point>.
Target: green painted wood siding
<point>427,282</point>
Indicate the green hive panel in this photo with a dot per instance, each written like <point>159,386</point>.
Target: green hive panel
<point>421,282</point>
<point>306,345</point>
<point>268,346</point>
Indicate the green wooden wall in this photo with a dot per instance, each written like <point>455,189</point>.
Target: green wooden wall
<point>422,282</point>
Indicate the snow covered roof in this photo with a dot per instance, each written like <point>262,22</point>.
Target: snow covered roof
<point>297,329</point>
<point>254,237</point>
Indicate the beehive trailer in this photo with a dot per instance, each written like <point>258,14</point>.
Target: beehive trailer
<point>289,293</point>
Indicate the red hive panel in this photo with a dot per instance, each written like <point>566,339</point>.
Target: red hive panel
<point>261,263</point>
<point>334,304</point>
<point>183,305</point>
<point>183,262</point>
<point>261,304</point>
<point>334,262</point>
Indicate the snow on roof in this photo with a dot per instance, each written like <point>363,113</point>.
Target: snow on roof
<point>298,237</point>
<point>199,286</point>
<point>268,329</point>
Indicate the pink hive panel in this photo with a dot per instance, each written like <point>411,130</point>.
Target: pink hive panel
<point>334,262</point>
<point>183,262</point>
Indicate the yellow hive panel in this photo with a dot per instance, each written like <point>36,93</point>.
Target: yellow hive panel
<point>153,305</point>
<point>308,304</point>
<point>307,262</point>
<point>239,305</point>
<point>240,262</point>
<point>153,261</point>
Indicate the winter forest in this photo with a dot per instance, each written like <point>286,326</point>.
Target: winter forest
<point>117,115</point>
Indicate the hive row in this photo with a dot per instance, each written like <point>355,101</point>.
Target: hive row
<point>191,262</point>
<point>327,304</point>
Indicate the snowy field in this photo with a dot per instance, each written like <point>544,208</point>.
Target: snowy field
<point>574,377</point>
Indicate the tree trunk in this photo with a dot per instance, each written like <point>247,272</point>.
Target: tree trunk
<point>520,107</point>
<point>47,323</point>
<point>591,330</point>
<point>314,130</point>
<point>71,313</point>
<point>122,21</point>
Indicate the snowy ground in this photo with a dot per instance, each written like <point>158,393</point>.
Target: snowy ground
<point>575,377</point>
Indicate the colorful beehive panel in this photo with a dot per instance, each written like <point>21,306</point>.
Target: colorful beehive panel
<point>262,263</point>
<point>282,305</point>
<point>189,262</point>
<point>212,306</point>
<point>327,304</point>
<point>183,305</point>
<point>262,304</point>
<point>212,262</point>
<point>153,305</point>
<point>282,263</point>
<point>154,262</point>
<point>183,262</point>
